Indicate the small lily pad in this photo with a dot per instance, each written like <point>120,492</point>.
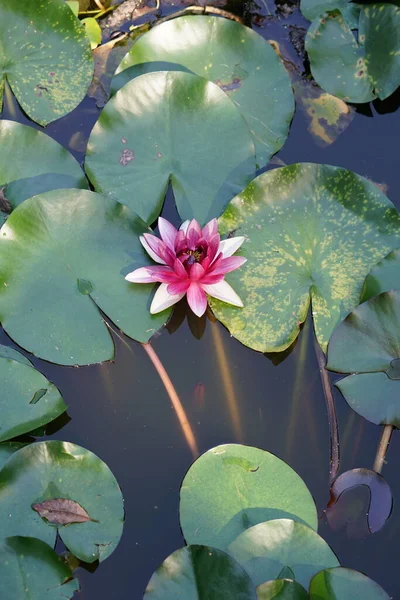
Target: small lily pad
<point>384,276</point>
<point>31,570</point>
<point>281,589</point>
<point>197,572</point>
<point>52,470</point>
<point>342,584</point>
<point>45,57</point>
<point>312,9</point>
<point>263,550</point>
<point>253,486</point>
<point>28,400</point>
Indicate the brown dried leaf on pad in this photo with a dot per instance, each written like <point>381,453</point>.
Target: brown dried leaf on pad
<point>61,511</point>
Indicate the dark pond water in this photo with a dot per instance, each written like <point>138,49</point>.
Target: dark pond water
<point>121,411</point>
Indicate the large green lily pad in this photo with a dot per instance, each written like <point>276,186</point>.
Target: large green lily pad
<point>265,549</point>
<point>253,486</point>
<point>313,232</point>
<point>281,589</point>
<point>7,449</point>
<point>238,60</point>
<point>342,584</point>
<point>171,126</point>
<point>38,163</point>
<point>63,256</point>
<point>383,277</point>
<point>45,56</point>
<point>31,570</point>
<point>51,470</point>
<point>357,70</point>
<point>312,9</point>
<point>367,344</point>
<point>200,572</point>
<point>28,400</point>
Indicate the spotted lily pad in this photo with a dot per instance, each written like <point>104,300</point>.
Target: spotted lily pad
<point>28,400</point>
<point>342,584</point>
<point>253,486</point>
<point>31,570</point>
<point>45,57</point>
<point>367,344</point>
<point>38,164</point>
<point>238,60</point>
<point>265,549</point>
<point>197,572</point>
<point>171,126</point>
<point>313,232</point>
<point>357,70</point>
<point>51,247</point>
<point>312,9</point>
<point>53,469</point>
<point>281,589</point>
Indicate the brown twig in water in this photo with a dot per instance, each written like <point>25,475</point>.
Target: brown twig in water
<point>383,448</point>
<point>332,417</point>
<point>176,403</point>
<point>201,10</point>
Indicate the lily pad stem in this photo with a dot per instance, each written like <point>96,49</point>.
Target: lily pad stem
<point>383,448</point>
<point>332,417</point>
<point>176,403</point>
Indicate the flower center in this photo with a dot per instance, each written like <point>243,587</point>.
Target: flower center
<point>194,255</point>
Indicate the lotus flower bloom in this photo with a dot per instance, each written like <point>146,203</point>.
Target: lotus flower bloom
<point>193,262</point>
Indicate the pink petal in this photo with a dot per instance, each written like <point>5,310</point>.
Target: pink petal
<point>152,274</point>
<point>155,244</point>
<point>180,241</point>
<point>223,291</point>
<point>210,229</point>
<point>210,278</point>
<point>226,265</point>
<point>184,226</point>
<point>162,299</point>
<point>180,269</point>
<point>193,233</point>
<point>196,272</point>
<point>150,252</point>
<point>229,246</point>
<point>197,299</point>
<point>168,233</point>
<point>142,275</point>
<point>179,287</point>
<point>213,247</point>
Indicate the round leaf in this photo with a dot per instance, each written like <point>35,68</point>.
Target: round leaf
<point>52,243</point>
<point>253,486</point>
<point>28,400</point>
<point>281,589</point>
<point>53,469</point>
<point>312,9</point>
<point>45,56</point>
<point>263,550</point>
<point>171,126</point>
<point>198,572</point>
<point>11,354</point>
<point>38,163</point>
<point>341,584</point>
<point>7,449</point>
<point>384,276</point>
<point>312,231</point>
<point>357,71</point>
<point>237,59</point>
<point>30,569</point>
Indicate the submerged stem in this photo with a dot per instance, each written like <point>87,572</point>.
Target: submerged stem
<point>176,403</point>
<point>382,448</point>
<point>332,417</point>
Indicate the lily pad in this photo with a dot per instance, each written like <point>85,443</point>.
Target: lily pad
<point>312,9</point>
<point>45,57</point>
<point>38,163</point>
<point>235,58</point>
<point>197,572</point>
<point>384,276</point>
<point>357,70</point>
<point>367,344</point>
<point>171,126</point>
<point>281,589</point>
<point>7,449</point>
<point>53,469</point>
<point>253,486</point>
<point>52,243</point>
<point>313,233</point>
<point>265,549</point>
<point>28,400</point>
<point>31,570</point>
<point>341,584</point>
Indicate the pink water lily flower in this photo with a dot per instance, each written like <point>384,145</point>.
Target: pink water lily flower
<point>194,262</point>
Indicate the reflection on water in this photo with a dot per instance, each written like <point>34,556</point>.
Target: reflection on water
<point>122,412</point>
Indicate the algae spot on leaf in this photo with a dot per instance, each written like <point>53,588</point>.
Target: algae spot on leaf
<point>61,511</point>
